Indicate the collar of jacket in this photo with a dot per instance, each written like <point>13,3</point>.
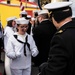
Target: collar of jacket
<point>68,25</point>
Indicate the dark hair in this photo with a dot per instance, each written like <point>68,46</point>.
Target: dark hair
<point>61,14</point>
<point>36,14</point>
<point>24,15</point>
<point>9,23</point>
<point>17,26</point>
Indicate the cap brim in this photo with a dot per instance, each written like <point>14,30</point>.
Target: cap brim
<point>11,18</point>
<point>57,5</point>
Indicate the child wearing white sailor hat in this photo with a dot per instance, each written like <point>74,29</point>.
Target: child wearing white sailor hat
<point>20,48</point>
<point>22,21</point>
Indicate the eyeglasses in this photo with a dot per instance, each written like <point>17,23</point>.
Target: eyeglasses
<point>23,26</point>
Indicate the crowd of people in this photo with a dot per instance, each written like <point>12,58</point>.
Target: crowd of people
<point>45,39</point>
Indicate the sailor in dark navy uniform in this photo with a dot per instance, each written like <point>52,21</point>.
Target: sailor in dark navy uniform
<point>42,35</point>
<point>61,59</point>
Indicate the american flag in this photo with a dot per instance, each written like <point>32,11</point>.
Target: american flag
<point>21,5</point>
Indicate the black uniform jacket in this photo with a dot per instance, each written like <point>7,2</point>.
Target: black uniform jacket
<point>29,28</point>
<point>42,35</point>
<point>61,59</point>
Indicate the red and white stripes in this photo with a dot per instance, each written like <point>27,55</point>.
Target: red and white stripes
<point>21,6</point>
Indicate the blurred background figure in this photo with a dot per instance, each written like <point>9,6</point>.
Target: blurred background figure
<point>29,17</point>
<point>23,14</point>
<point>29,25</point>
<point>8,31</point>
<point>32,21</point>
<point>35,15</point>
<point>1,41</point>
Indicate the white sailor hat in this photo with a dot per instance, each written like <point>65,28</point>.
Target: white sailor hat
<point>57,5</point>
<point>28,16</point>
<point>23,12</point>
<point>22,21</point>
<point>33,19</point>
<point>43,12</point>
<point>11,18</point>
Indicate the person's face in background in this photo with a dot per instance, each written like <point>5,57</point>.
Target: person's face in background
<point>23,15</point>
<point>13,23</point>
<point>22,28</point>
<point>20,15</point>
<point>32,22</point>
<point>39,19</point>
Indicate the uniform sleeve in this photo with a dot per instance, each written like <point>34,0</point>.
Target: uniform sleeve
<point>33,48</point>
<point>10,49</point>
<point>57,61</point>
<point>10,33</point>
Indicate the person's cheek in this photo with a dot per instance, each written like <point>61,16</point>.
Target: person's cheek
<point>23,30</point>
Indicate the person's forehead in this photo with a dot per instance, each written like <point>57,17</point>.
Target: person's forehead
<point>23,25</point>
